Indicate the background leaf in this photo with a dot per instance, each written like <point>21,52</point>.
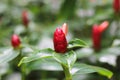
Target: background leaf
<point>8,54</point>
<point>84,69</point>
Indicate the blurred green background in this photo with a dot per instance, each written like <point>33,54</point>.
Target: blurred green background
<point>44,16</point>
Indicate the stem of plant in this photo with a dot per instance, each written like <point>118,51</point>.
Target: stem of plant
<point>23,75</point>
<point>67,73</point>
<point>118,26</point>
<point>43,75</point>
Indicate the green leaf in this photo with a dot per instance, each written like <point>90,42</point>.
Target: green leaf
<point>45,53</point>
<point>71,58</point>
<point>77,43</point>
<point>8,54</point>
<point>68,59</point>
<point>80,68</point>
<point>4,68</point>
<point>43,64</point>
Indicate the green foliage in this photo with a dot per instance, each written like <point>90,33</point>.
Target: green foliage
<point>81,68</point>
<point>77,43</point>
<point>67,61</point>
<point>44,16</point>
<point>37,55</point>
<point>8,54</point>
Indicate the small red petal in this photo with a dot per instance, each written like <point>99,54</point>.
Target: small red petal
<point>116,6</point>
<point>25,18</point>
<point>15,41</point>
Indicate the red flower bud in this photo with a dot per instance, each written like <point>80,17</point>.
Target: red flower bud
<point>96,36</point>
<point>116,6</point>
<point>25,18</point>
<point>15,41</point>
<point>97,31</point>
<point>60,42</point>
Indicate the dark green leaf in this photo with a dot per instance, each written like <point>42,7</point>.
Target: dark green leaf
<point>84,69</point>
<point>77,43</point>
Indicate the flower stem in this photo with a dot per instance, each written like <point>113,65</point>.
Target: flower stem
<point>67,73</point>
<point>118,26</point>
<point>23,76</point>
<point>0,77</point>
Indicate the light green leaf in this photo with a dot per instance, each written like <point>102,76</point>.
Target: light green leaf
<point>43,64</point>
<point>71,58</point>
<point>77,43</point>
<point>68,59</point>
<point>80,68</point>
<point>45,53</point>
<point>8,54</point>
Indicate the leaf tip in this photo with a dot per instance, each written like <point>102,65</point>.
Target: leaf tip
<point>110,76</point>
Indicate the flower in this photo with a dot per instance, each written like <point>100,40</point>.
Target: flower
<point>25,19</point>
<point>96,36</point>
<point>15,41</point>
<point>59,40</point>
<point>116,6</point>
<point>97,31</point>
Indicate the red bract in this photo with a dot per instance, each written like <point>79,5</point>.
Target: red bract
<point>97,31</point>
<point>116,6</point>
<point>25,18</point>
<point>60,42</point>
<point>96,36</point>
<point>103,26</point>
<point>15,41</point>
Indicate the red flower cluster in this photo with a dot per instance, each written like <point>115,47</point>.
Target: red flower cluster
<point>59,39</point>
<point>15,41</point>
<point>116,6</point>
<point>25,19</point>
<point>97,30</point>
